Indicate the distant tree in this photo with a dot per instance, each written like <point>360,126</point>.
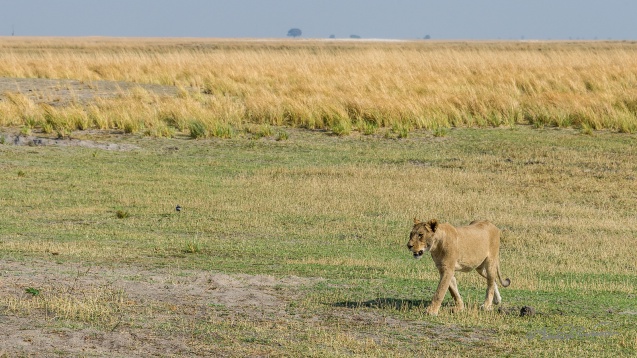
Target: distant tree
<point>354,37</point>
<point>295,32</point>
<point>427,37</point>
<point>332,36</point>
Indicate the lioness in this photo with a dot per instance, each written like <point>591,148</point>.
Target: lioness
<point>464,248</point>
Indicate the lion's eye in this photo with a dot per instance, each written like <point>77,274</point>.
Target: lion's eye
<point>420,235</point>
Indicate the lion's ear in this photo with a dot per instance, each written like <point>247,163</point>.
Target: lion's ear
<point>416,221</point>
<point>432,225</point>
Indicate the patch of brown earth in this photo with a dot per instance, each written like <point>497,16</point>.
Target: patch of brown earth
<point>36,141</point>
<point>61,92</point>
<point>148,300</point>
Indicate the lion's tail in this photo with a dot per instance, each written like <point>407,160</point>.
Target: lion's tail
<point>504,283</point>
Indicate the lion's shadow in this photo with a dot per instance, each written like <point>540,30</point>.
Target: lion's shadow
<point>385,303</point>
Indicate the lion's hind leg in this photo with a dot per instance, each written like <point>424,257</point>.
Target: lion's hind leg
<point>497,299</point>
<point>488,272</point>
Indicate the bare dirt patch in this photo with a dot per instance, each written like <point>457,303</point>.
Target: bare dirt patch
<point>60,92</point>
<point>145,300</point>
<point>37,141</point>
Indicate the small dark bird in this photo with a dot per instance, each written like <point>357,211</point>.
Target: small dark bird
<point>178,208</point>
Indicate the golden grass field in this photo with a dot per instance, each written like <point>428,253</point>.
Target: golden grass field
<point>342,86</point>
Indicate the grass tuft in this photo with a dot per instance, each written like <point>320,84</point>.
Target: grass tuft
<point>32,291</point>
<point>282,135</point>
<point>197,129</point>
<point>192,247</point>
<point>440,131</point>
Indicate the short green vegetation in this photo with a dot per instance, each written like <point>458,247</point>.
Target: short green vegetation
<point>332,212</point>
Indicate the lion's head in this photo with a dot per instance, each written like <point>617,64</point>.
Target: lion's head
<point>422,237</point>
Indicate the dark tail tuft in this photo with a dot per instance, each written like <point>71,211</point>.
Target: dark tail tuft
<point>505,283</point>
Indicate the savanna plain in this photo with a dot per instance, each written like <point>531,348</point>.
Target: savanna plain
<point>298,167</point>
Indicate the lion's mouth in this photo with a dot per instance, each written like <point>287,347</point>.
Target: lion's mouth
<point>418,254</point>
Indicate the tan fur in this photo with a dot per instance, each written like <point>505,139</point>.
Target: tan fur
<point>465,248</point>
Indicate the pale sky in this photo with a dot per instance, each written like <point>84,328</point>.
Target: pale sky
<point>387,19</point>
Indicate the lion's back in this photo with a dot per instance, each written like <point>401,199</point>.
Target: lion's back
<point>481,233</point>
<point>485,225</point>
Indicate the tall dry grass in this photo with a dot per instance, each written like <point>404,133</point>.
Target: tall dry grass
<point>342,86</point>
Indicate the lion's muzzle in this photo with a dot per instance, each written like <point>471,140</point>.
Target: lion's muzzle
<point>417,253</point>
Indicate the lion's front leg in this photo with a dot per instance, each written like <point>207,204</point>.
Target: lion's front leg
<point>453,289</point>
<point>443,285</point>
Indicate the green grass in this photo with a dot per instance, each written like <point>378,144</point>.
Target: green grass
<point>339,209</point>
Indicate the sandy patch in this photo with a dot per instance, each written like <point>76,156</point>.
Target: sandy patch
<point>37,141</point>
<point>61,92</point>
<point>148,300</point>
